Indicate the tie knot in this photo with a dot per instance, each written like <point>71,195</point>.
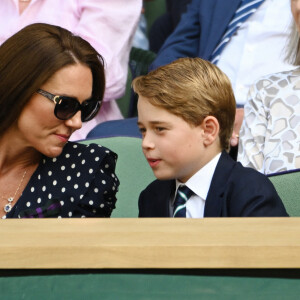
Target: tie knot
<point>185,192</point>
<point>182,196</point>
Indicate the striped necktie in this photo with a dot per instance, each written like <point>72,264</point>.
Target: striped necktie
<point>244,11</point>
<point>182,196</point>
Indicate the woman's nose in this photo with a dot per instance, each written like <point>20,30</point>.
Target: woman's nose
<point>75,122</point>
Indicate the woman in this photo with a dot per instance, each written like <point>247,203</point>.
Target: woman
<point>51,82</point>
<point>107,25</point>
<point>270,134</point>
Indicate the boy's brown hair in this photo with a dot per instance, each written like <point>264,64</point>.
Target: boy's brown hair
<point>191,88</point>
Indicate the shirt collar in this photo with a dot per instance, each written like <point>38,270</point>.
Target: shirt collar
<point>203,176</point>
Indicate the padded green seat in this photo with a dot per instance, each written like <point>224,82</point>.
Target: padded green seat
<point>287,185</point>
<point>132,170</point>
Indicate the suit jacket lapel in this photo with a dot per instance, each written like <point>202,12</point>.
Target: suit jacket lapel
<point>163,197</point>
<point>215,197</point>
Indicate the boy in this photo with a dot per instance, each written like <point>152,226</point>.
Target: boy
<point>186,113</point>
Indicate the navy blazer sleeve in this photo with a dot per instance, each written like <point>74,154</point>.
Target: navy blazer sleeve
<point>184,41</point>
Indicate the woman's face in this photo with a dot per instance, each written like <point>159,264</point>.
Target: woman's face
<point>37,125</point>
<point>295,7</point>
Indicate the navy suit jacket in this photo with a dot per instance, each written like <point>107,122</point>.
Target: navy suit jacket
<point>235,191</point>
<point>199,31</point>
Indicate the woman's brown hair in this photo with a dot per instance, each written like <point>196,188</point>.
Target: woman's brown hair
<point>31,56</point>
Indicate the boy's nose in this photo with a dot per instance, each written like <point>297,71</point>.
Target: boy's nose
<point>147,142</point>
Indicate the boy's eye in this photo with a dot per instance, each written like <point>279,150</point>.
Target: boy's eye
<point>142,130</point>
<point>159,129</point>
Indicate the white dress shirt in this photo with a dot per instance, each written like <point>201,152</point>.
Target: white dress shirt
<point>199,183</point>
<point>257,48</point>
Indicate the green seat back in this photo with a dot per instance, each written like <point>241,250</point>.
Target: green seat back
<point>287,185</point>
<point>132,170</point>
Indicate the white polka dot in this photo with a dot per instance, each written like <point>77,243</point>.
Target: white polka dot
<point>91,171</point>
<point>32,189</point>
<point>44,161</point>
<point>75,146</point>
<point>101,171</point>
<point>78,174</point>
<point>63,168</point>
<point>81,196</point>
<point>75,186</point>
<point>73,166</point>
<point>113,188</point>
<point>67,155</point>
<point>28,204</point>
<point>91,202</point>
<point>79,154</point>
<point>62,203</point>
<point>49,173</point>
<point>105,192</point>
<point>101,205</point>
<point>97,158</point>
<point>58,217</point>
<point>94,211</point>
<point>72,199</point>
<point>39,200</point>
<point>92,150</point>
<point>63,189</point>
<point>87,184</point>
<point>106,166</point>
<point>96,190</point>
<point>44,188</point>
<point>69,178</point>
<point>49,196</point>
<point>70,214</point>
<point>83,162</point>
<point>54,182</point>
<point>83,216</point>
<point>103,182</point>
<point>39,177</point>
<point>107,151</point>
<point>113,175</point>
<point>54,159</point>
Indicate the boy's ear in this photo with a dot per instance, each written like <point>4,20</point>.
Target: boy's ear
<point>211,129</point>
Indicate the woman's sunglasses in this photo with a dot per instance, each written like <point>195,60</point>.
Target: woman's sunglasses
<point>67,107</point>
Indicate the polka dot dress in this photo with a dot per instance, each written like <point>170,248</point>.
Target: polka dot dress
<point>79,183</point>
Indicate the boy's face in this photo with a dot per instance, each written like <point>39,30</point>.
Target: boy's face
<point>174,149</point>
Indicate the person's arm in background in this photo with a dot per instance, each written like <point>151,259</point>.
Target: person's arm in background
<point>110,26</point>
<point>253,132</point>
<point>184,41</point>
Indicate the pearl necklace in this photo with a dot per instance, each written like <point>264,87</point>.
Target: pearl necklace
<point>7,207</point>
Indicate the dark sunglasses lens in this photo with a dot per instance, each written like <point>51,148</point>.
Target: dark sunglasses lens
<point>89,110</point>
<point>66,108</point>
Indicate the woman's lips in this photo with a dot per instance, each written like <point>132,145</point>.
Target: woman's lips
<point>63,137</point>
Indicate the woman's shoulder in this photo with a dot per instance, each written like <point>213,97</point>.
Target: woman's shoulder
<point>279,79</point>
<point>86,150</point>
<point>77,156</point>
